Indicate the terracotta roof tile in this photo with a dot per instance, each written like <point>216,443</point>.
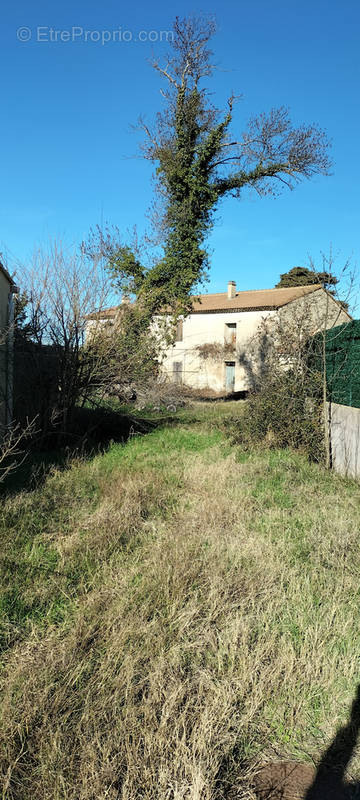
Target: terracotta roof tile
<point>251,300</point>
<point>254,299</point>
<point>104,313</point>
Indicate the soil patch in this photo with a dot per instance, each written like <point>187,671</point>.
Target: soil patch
<point>289,780</point>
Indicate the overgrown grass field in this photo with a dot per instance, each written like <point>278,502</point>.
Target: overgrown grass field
<point>174,612</point>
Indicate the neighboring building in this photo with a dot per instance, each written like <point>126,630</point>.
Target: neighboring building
<point>7,291</point>
<point>211,345</point>
<point>213,349</point>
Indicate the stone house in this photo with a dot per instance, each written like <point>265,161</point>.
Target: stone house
<point>213,340</point>
<point>7,291</point>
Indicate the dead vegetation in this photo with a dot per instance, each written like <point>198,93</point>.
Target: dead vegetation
<point>161,393</point>
<point>209,622</point>
<point>13,441</point>
<point>215,351</point>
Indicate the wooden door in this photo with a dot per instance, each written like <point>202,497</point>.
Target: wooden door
<point>230,376</point>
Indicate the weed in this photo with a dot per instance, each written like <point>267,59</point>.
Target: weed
<point>174,611</point>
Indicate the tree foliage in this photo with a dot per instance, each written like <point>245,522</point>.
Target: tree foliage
<point>302,276</point>
<point>198,161</point>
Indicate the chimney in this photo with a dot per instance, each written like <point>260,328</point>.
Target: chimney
<point>231,290</point>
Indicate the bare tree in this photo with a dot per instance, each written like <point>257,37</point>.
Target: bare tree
<point>69,350</point>
<point>61,288</point>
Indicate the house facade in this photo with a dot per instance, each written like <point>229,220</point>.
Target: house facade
<point>213,348</point>
<point>7,291</point>
<point>212,342</point>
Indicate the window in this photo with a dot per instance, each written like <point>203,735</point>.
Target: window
<point>179,330</point>
<point>230,333</point>
<point>177,371</point>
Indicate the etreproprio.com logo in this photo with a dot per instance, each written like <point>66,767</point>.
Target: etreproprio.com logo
<point>45,33</point>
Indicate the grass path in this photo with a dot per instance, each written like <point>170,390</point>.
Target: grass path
<point>173,612</point>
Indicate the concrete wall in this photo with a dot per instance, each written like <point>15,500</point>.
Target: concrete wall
<point>345,439</point>
<point>203,329</point>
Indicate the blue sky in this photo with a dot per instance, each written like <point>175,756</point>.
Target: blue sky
<point>70,158</point>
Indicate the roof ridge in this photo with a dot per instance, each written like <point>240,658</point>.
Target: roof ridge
<point>219,301</point>
<point>273,289</point>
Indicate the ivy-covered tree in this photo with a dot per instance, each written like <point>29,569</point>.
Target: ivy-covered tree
<point>198,161</point>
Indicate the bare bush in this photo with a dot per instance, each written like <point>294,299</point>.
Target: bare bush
<point>281,415</point>
<point>162,393</point>
<point>288,402</point>
<point>13,447</point>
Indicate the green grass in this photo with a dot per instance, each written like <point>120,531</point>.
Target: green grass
<point>173,612</point>
<point>28,525</point>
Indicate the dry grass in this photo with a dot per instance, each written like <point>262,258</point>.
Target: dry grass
<point>216,626</point>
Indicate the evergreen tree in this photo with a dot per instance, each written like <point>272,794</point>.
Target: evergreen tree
<point>302,276</point>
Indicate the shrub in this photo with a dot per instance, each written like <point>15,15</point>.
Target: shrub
<point>286,412</point>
